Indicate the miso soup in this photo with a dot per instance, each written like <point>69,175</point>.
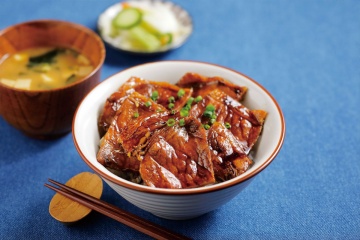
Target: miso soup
<point>44,68</point>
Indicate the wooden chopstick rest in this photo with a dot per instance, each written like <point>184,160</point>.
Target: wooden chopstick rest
<point>68,211</point>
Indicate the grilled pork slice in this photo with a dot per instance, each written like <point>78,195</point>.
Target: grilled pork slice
<point>136,119</point>
<point>203,85</point>
<point>114,102</point>
<point>245,124</point>
<point>112,155</point>
<point>227,153</point>
<point>160,92</point>
<point>233,130</point>
<point>178,157</point>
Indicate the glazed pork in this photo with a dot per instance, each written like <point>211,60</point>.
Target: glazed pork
<point>129,131</point>
<point>202,85</point>
<point>158,91</point>
<point>187,135</point>
<point>178,157</point>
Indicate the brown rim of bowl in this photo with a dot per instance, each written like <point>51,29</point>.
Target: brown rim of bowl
<point>71,24</point>
<point>206,189</point>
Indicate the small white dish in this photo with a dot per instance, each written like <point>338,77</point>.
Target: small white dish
<point>181,16</point>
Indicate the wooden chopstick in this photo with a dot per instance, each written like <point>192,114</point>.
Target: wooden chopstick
<point>122,216</point>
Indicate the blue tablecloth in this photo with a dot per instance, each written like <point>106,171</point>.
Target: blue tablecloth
<point>306,53</point>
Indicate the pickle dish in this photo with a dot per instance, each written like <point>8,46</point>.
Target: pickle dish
<point>145,27</point>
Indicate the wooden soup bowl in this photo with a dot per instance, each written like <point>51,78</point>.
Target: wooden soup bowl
<point>48,113</point>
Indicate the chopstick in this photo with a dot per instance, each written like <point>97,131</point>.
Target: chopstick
<point>122,216</point>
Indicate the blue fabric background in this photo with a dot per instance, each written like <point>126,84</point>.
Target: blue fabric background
<point>306,53</point>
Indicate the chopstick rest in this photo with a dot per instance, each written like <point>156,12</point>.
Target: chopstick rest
<point>129,219</point>
<point>66,210</point>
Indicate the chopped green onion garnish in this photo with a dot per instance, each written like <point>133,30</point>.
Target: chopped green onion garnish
<point>190,101</point>
<point>181,122</point>
<point>181,93</point>
<point>172,112</point>
<point>171,105</point>
<point>210,111</point>
<point>148,104</point>
<point>210,107</point>
<point>208,114</point>
<point>206,126</point>
<point>186,107</point>
<point>184,112</point>
<point>136,114</point>
<point>154,95</point>
<point>227,125</point>
<point>171,99</point>
<point>198,99</point>
<point>212,121</point>
<point>170,122</point>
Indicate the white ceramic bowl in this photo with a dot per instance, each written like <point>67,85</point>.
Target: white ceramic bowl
<point>178,203</point>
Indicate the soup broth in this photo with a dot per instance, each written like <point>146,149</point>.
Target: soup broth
<point>44,68</point>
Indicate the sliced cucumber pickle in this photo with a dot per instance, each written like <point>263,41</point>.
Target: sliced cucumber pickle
<point>146,40</point>
<point>127,18</point>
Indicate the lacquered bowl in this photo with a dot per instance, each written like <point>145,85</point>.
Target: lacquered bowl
<point>178,203</point>
<point>48,113</point>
